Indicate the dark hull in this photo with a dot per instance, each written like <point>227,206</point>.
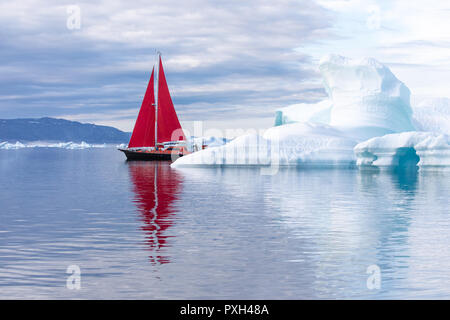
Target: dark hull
<point>147,156</point>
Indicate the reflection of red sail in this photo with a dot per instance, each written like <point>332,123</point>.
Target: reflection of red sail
<point>156,187</point>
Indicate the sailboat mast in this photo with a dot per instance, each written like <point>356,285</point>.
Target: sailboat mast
<point>158,56</point>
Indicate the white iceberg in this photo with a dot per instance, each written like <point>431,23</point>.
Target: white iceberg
<point>6,145</point>
<point>422,149</point>
<point>43,144</point>
<point>367,97</point>
<point>365,100</point>
<point>301,144</point>
<point>311,144</point>
<point>249,149</point>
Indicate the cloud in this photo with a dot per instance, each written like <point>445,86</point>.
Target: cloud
<point>410,36</point>
<point>221,57</point>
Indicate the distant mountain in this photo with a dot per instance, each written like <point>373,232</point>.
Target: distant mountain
<point>51,129</point>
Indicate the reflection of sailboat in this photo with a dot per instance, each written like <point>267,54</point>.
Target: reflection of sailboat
<point>156,187</point>
<point>157,133</point>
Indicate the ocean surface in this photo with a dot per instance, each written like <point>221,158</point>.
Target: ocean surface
<point>141,230</point>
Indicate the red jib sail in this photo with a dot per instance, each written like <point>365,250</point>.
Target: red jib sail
<point>144,130</point>
<point>169,128</point>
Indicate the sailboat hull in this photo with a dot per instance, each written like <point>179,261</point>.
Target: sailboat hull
<point>157,125</point>
<point>155,155</point>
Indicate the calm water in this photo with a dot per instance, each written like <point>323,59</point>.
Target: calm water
<point>144,230</point>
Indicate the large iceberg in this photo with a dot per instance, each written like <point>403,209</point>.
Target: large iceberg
<point>365,101</point>
<point>302,144</point>
<point>367,97</point>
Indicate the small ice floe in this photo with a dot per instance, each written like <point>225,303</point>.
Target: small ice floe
<point>7,145</point>
<point>42,144</point>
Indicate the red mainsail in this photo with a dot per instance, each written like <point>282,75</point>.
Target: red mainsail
<point>169,128</point>
<point>144,130</point>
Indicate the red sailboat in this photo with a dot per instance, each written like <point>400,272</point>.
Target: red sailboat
<point>157,133</point>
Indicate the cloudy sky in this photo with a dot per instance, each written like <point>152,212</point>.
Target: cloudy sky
<point>228,63</point>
